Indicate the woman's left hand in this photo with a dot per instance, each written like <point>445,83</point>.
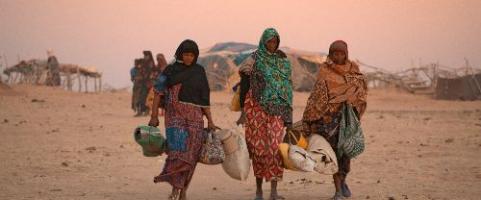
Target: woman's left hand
<point>212,127</point>
<point>242,119</point>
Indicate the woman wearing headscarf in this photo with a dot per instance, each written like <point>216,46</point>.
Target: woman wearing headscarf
<point>161,64</point>
<point>268,109</point>
<point>53,75</point>
<point>147,67</point>
<point>184,92</point>
<point>149,63</point>
<point>339,82</point>
<point>136,76</point>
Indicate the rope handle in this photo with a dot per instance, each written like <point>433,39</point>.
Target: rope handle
<point>293,136</point>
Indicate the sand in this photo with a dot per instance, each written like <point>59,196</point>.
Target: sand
<point>65,145</point>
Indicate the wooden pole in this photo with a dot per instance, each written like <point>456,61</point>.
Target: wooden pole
<point>1,71</point>
<point>69,81</point>
<point>86,84</point>
<point>95,84</point>
<point>15,78</point>
<point>100,83</point>
<point>6,66</point>
<point>21,78</point>
<point>79,81</point>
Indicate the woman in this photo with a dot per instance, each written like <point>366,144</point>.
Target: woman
<point>149,63</point>
<point>53,74</point>
<point>268,109</point>
<point>185,95</point>
<point>136,78</point>
<point>140,89</point>
<point>148,66</point>
<point>339,82</point>
<point>161,62</point>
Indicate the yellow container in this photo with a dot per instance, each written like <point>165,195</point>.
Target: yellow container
<point>235,104</point>
<point>284,151</point>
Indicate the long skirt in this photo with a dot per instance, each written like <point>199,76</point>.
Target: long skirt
<point>184,130</point>
<point>264,133</point>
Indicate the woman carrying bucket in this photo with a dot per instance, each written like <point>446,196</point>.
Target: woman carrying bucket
<point>184,92</point>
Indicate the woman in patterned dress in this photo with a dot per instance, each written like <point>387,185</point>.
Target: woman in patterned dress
<point>268,109</point>
<point>184,92</point>
<point>339,81</point>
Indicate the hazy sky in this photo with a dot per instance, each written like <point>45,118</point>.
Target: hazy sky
<point>109,34</point>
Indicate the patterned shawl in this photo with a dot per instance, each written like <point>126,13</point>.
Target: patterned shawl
<point>271,82</point>
<point>334,86</point>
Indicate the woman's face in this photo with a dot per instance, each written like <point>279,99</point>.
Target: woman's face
<point>271,44</point>
<point>188,58</point>
<point>339,57</point>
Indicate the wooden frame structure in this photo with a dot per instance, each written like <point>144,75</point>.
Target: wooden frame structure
<point>34,71</point>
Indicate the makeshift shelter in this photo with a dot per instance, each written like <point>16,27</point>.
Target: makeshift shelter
<point>222,60</point>
<point>467,87</point>
<point>34,71</point>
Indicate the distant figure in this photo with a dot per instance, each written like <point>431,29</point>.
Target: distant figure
<point>139,90</point>
<point>148,67</point>
<point>339,82</point>
<point>186,103</point>
<point>161,62</point>
<point>53,73</point>
<point>133,73</point>
<point>268,109</point>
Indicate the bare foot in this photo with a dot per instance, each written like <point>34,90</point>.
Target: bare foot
<point>276,197</point>
<point>259,195</point>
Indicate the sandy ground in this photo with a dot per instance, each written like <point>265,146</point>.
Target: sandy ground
<point>63,145</point>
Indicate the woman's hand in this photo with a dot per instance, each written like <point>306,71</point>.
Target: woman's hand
<point>211,126</point>
<point>306,128</point>
<point>242,119</point>
<point>154,121</point>
<point>288,126</point>
<point>310,128</point>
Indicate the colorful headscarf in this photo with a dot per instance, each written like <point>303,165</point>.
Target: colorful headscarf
<point>271,78</point>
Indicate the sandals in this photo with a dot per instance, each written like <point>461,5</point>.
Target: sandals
<point>345,190</point>
<point>276,197</point>
<point>337,196</point>
<point>259,198</point>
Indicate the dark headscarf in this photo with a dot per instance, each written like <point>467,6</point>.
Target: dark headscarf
<point>195,87</point>
<point>338,45</point>
<point>187,46</point>
<point>151,58</point>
